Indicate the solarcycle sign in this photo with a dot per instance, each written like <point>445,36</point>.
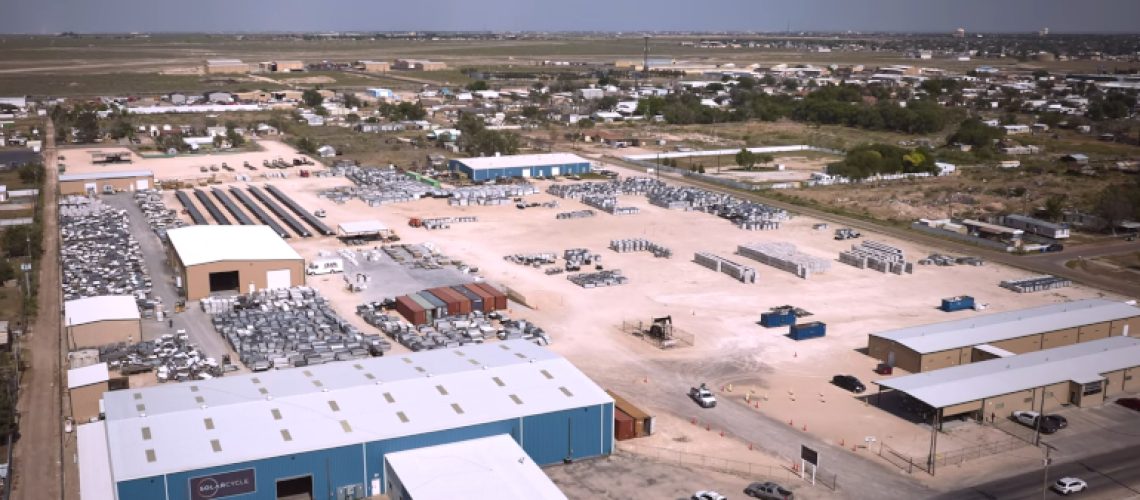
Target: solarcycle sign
<point>223,485</point>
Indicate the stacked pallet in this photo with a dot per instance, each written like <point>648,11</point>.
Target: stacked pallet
<point>640,245</point>
<point>878,256</point>
<point>741,273</point>
<point>1036,284</point>
<point>785,257</point>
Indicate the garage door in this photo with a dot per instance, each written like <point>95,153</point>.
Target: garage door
<point>555,170</point>
<point>279,278</point>
<point>89,187</point>
<point>142,184</point>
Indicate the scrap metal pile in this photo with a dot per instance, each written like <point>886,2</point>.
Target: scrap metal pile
<point>450,331</point>
<point>380,186</point>
<point>640,245</point>
<point>173,357</point>
<point>785,257</point>
<point>1036,284</point>
<point>603,195</point>
<point>612,277</point>
<point>577,214</point>
<point>878,256</point>
<point>287,328</point>
<point>489,195</point>
<point>532,259</point>
<point>99,256</point>
<point>938,259</point>
<point>445,222</point>
<point>418,256</point>
<point>158,216</point>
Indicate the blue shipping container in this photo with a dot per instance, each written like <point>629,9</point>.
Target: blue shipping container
<point>808,330</point>
<point>957,303</point>
<point>772,319</point>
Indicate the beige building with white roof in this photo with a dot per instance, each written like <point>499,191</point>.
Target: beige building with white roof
<point>233,259</point>
<point>103,320</point>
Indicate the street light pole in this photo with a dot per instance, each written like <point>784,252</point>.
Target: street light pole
<point>1045,481</point>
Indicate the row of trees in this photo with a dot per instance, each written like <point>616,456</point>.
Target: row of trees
<point>833,105</point>
<point>875,159</point>
<point>477,140</point>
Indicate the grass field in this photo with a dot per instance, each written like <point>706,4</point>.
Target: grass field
<point>53,84</point>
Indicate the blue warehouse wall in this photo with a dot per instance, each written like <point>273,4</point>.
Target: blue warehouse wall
<point>578,433</point>
<point>330,469</point>
<point>535,170</point>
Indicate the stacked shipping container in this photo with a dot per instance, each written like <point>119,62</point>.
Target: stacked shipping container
<point>427,305</point>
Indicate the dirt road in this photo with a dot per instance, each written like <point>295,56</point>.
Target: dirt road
<point>37,468</point>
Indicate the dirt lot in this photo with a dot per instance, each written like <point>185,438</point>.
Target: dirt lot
<point>781,379</point>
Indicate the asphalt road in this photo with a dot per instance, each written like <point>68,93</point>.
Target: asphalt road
<point>1114,475</point>
<point>37,463</point>
<point>1053,264</point>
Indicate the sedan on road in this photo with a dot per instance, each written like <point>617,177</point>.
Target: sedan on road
<point>849,382</point>
<point>708,495</point>
<point>1055,421</point>
<point>1067,485</point>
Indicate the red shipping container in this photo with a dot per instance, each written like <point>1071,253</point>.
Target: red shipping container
<point>500,297</point>
<point>456,302</point>
<point>488,299</point>
<point>623,426</point>
<point>412,311</point>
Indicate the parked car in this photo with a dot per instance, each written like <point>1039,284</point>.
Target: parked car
<point>849,382</point>
<point>1057,421</point>
<point>708,495</point>
<point>1067,485</point>
<point>1130,403</point>
<point>1029,419</point>
<point>768,491</point>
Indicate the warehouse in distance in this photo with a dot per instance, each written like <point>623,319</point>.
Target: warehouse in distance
<point>520,166</point>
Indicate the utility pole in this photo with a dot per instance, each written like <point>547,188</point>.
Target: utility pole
<point>645,55</point>
<point>1045,482</point>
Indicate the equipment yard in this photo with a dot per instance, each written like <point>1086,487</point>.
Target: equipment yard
<point>774,392</point>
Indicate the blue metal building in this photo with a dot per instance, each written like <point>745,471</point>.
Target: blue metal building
<point>325,430</point>
<point>539,165</point>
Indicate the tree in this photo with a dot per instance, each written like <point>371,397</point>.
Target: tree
<point>7,271</point>
<point>17,240</point>
<point>219,141</point>
<point>88,124</point>
<point>765,158</point>
<point>478,85</point>
<point>1054,207</point>
<point>607,102</point>
<point>306,145</point>
<point>30,173</point>
<point>1117,203</point>
<point>585,123</point>
<point>312,98</point>
<point>745,158</point>
<point>121,128</point>
<point>232,135</point>
<point>352,118</point>
<point>351,101</point>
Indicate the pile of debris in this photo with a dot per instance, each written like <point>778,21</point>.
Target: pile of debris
<point>612,277</point>
<point>640,245</point>
<point>158,216</point>
<point>938,259</point>
<point>532,259</point>
<point>450,331</point>
<point>577,214</point>
<point>1036,284</point>
<point>287,328</point>
<point>99,256</point>
<point>422,256</point>
<point>172,356</point>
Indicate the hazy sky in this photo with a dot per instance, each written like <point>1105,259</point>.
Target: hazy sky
<point>50,16</point>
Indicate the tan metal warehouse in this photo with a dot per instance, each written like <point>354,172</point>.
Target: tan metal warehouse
<point>103,320</point>
<point>86,386</point>
<point>1080,374</point>
<point>232,259</point>
<point>96,182</point>
<point>940,345</point>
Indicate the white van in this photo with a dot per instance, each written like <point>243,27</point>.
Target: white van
<point>325,266</point>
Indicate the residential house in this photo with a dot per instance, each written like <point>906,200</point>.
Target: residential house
<point>326,151</point>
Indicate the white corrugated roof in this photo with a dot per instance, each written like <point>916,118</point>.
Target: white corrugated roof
<point>491,468</point>
<point>513,161</point>
<point>101,308</point>
<point>87,375</point>
<point>1081,363</point>
<point>248,413</point>
<point>990,328</point>
<point>362,226</point>
<point>94,176</point>
<point>94,469</point>
<point>203,244</point>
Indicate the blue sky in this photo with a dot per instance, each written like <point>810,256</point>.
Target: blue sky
<point>51,16</point>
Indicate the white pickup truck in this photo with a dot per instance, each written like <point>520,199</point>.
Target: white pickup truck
<point>703,396</point>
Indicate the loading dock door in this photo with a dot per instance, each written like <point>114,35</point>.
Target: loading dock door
<point>298,488</point>
<point>278,278</point>
<point>142,184</point>
<point>555,170</point>
<point>224,281</point>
